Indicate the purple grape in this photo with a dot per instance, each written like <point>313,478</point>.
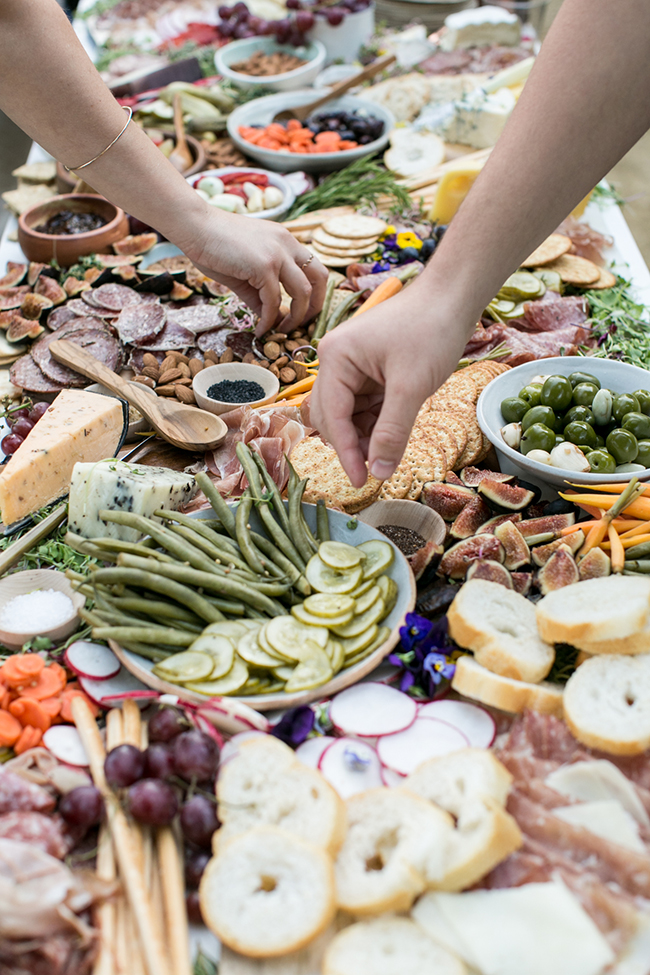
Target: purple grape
<point>243,30</point>
<point>335,16</point>
<point>195,864</point>
<point>159,761</point>
<point>153,802</point>
<point>293,5</point>
<point>226,29</point>
<point>305,20</point>
<point>267,28</point>
<point>124,765</point>
<point>37,411</point>
<point>193,907</point>
<point>199,821</point>
<point>166,724</point>
<point>196,756</point>
<point>282,31</point>
<point>240,8</point>
<point>255,23</point>
<point>22,427</point>
<point>82,806</point>
<point>10,443</point>
<point>224,12</point>
<point>296,38</point>
<point>16,415</point>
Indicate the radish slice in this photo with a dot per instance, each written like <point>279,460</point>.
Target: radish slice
<point>64,742</point>
<point>231,747</point>
<point>351,767</point>
<point>391,779</point>
<point>123,685</point>
<point>93,660</point>
<point>309,753</point>
<point>371,710</point>
<point>476,723</point>
<point>426,738</point>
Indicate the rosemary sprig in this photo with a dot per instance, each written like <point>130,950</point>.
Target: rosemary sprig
<point>364,181</point>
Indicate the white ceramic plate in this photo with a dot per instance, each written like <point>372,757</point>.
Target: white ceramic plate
<point>341,531</point>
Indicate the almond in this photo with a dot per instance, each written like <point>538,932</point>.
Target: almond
<point>283,361</point>
<point>144,381</point>
<point>184,394</point>
<point>300,370</point>
<point>182,382</point>
<point>168,363</point>
<point>228,356</point>
<point>213,357</point>
<point>249,357</point>
<point>151,372</point>
<point>184,369</point>
<point>195,366</point>
<point>271,350</point>
<point>274,369</point>
<point>150,360</point>
<point>287,376</point>
<point>292,345</point>
<point>166,390</point>
<point>279,337</point>
<point>168,376</point>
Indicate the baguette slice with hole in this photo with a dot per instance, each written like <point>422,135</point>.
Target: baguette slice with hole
<point>388,946</point>
<point>627,645</point>
<point>607,704</point>
<point>515,696</point>
<point>609,608</point>
<point>500,627</point>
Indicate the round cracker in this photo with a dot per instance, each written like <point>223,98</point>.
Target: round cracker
<point>398,486</point>
<point>458,426</point>
<point>462,385</point>
<point>474,447</point>
<point>549,250</point>
<point>330,260</point>
<point>606,280</point>
<point>342,243</point>
<point>352,253</point>
<point>441,435</point>
<point>355,226</point>
<point>575,270</point>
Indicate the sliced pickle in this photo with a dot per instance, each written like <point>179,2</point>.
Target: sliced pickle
<point>352,645</point>
<point>310,673</point>
<point>254,685</point>
<point>322,578</point>
<point>295,640</point>
<point>389,592</point>
<point>228,684</point>
<point>284,672</point>
<point>339,555</point>
<point>379,556</point>
<point>363,603</point>
<point>517,312</point>
<point>336,653</point>
<point>251,652</point>
<point>181,667</point>
<point>303,616</point>
<point>329,605</point>
<point>521,286</point>
<point>362,588</point>
<point>264,643</point>
<point>232,629</point>
<point>220,648</point>
<point>551,279</point>
<point>273,688</point>
<point>382,635</point>
<point>251,624</point>
<point>503,306</point>
<point>361,623</point>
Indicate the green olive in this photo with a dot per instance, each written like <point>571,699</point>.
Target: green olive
<point>582,413</point>
<point>537,437</point>
<point>581,434</point>
<point>583,394</point>
<point>558,439</point>
<point>583,377</point>
<point>624,403</point>
<point>539,414</point>
<point>643,396</point>
<point>623,446</point>
<point>643,457</point>
<point>638,424</point>
<point>556,393</point>
<point>531,394</point>
<point>601,462</point>
<point>513,409</point>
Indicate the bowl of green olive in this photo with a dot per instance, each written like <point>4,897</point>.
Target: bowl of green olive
<point>570,418</point>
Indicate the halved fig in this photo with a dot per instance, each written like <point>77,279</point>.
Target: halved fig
<point>559,507</point>
<point>424,556</point>
<point>457,559</point>
<point>180,292</point>
<point>490,571</point>
<point>211,288</point>
<point>436,598</point>
<point>595,565</point>
<point>447,499</point>
<point>487,528</point>
<point>470,519</point>
<point>537,531</point>
<point>15,274</point>
<point>515,545</point>
<point>536,510</point>
<point>11,302</point>
<point>127,274</point>
<point>34,272</point>
<point>536,491</point>
<point>7,317</point>
<point>542,553</point>
<point>116,260</point>
<point>135,244</point>
<point>522,582</point>
<point>33,305</point>
<point>195,279</point>
<point>73,286</point>
<point>159,284</point>
<point>560,571</point>
<point>23,328</point>
<point>472,476</point>
<point>51,289</point>
<point>452,478</point>
<point>503,497</point>
<point>91,274</point>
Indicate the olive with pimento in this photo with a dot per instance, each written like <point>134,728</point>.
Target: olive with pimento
<point>556,393</point>
<point>537,437</point>
<point>623,446</point>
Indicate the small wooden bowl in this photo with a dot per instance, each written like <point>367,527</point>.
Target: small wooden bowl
<point>21,583</point>
<point>234,370</point>
<point>417,517</point>
<point>66,249</point>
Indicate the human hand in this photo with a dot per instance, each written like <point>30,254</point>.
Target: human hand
<point>374,374</point>
<point>253,257</point>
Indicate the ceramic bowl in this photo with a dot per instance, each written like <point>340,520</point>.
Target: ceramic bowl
<point>233,371</point>
<point>313,53</point>
<point>410,514</point>
<point>66,182</point>
<point>21,583</point>
<point>66,249</point>
<point>260,111</point>
<point>617,376</point>
<point>274,213</point>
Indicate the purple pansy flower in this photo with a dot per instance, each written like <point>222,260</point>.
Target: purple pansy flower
<point>294,726</point>
<point>423,655</point>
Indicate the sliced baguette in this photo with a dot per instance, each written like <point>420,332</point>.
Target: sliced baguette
<point>388,946</point>
<point>500,627</point>
<point>609,608</point>
<point>627,645</point>
<point>607,704</point>
<point>515,696</point>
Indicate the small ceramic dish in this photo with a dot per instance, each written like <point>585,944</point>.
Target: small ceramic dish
<point>234,371</point>
<point>273,213</point>
<point>66,249</point>
<point>415,516</point>
<point>237,51</point>
<point>21,583</point>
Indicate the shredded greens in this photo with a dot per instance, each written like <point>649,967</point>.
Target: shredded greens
<point>204,965</point>
<point>52,552</point>
<point>365,181</point>
<point>621,325</point>
<point>604,194</point>
<point>564,665</point>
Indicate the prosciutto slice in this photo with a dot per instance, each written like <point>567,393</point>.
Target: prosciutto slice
<point>554,313</point>
<point>527,346</point>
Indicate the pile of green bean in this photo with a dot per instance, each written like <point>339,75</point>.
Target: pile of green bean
<point>157,594</point>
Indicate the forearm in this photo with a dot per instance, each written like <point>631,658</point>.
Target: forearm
<point>583,107</point>
<point>51,89</point>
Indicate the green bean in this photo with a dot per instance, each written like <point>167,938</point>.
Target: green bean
<point>156,582</point>
<point>311,538</point>
<point>283,563</point>
<point>180,549</point>
<point>88,616</point>
<point>295,492</point>
<point>339,312</point>
<point>243,533</point>
<point>270,587</point>
<point>232,606</point>
<point>133,548</point>
<point>152,634</point>
<point>157,608</point>
<point>144,651</point>
<point>86,547</point>
<point>120,619</point>
<point>321,321</point>
<point>638,565</point>
<point>273,490</point>
<point>226,516</point>
<point>194,539</point>
<point>641,551</point>
<point>322,521</point>
<point>200,526</point>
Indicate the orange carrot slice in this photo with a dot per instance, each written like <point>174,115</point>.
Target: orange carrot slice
<point>51,682</point>
<point>22,669</point>
<point>66,704</point>
<point>10,729</point>
<point>30,712</point>
<point>30,737</point>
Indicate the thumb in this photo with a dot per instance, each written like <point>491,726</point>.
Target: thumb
<point>392,429</point>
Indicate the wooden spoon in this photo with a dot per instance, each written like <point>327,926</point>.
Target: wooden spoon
<point>303,112</point>
<point>185,427</point>
<point>180,156</point>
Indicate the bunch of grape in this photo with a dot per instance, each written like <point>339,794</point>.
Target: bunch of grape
<point>238,22</point>
<point>21,422</point>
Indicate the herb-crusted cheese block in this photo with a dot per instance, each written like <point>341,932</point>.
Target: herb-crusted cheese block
<point>78,426</point>
<point>117,486</point>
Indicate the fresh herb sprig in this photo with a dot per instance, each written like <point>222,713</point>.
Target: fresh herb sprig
<point>204,965</point>
<point>365,181</point>
<point>52,552</point>
<point>620,324</point>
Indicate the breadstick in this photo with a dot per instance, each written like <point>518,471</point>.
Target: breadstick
<point>106,870</point>
<point>173,885</point>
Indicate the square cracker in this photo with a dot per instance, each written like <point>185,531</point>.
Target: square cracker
<point>316,460</point>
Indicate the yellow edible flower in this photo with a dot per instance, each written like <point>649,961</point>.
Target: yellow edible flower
<point>408,239</point>
<point>388,231</point>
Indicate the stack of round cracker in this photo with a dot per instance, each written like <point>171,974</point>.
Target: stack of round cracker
<point>346,239</point>
<point>553,254</point>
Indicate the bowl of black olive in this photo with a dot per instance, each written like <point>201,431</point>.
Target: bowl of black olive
<point>68,227</point>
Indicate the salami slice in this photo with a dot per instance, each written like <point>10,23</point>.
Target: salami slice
<point>78,306</point>
<point>172,337</point>
<point>96,309</point>
<point>98,342</point>
<point>241,343</point>
<point>140,324</point>
<point>59,316</point>
<point>25,374</point>
<point>199,318</point>
<point>77,323</point>
<point>214,341</point>
<point>116,296</point>
<point>136,359</point>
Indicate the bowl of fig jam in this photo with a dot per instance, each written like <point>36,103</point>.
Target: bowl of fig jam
<point>68,227</point>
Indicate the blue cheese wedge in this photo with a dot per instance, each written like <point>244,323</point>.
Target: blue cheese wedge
<point>117,486</point>
<point>479,118</point>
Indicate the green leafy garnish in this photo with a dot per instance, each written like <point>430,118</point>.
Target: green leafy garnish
<point>52,552</point>
<point>620,324</point>
<point>604,194</point>
<point>204,965</point>
<point>363,182</point>
<point>564,665</point>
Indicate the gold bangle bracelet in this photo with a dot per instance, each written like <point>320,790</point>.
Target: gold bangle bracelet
<point>75,169</point>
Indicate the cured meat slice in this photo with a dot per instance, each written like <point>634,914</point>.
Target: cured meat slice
<point>200,318</point>
<point>136,359</point>
<point>173,336</point>
<point>526,346</point>
<point>78,306</point>
<point>98,342</point>
<point>214,341</point>
<point>241,343</point>
<point>548,316</point>
<point>115,296</point>
<point>25,374</point>
<point>78,322</point>
<point>18,794</point>
<point>59,316</point>
<point>140,324</point>
<point>44,832</point>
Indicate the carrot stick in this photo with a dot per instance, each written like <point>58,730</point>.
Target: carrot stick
<point>640,508</point>
<point>303,386</point>
<point>391,286</point>
<point>610,488</point>
<point>617,551</point>
<point>595,536</point>
<point>621,524</point>
<point>640,528</point>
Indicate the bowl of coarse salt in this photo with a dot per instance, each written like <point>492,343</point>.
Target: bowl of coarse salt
<point>37,602</point>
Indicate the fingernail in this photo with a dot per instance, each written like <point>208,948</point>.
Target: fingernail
<point>382,469</point>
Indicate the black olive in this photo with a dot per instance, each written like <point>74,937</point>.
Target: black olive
<point>427,249</point>
<point>408,254</point>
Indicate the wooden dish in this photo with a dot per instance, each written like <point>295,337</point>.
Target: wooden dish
<point>66,249</point>
<point>21,583</point>
<point>341,531</point>
<point>233,371</point>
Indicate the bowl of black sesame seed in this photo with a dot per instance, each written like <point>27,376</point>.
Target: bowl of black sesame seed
<point>229,385</point>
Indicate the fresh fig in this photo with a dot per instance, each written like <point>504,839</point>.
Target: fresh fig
<point>421,559</point>
<point>535,510</point>
<point>542,553</point>
<point>91,274</point>
<point>23,328</point>
<point>7,317</point>
<point>159,284</point>
<point>533,488</point>
<point>503,497</point>
<point>436,598</point>
<point>73,286</point>
<point>15,274</point>
<point>11,303</point>
<point>135,244</point>
<point>537,531</point>
<point>522,582</point>
<point>116,260</point>
<point>472,476</point>
<point>560,571</point>
<point>487,528</point>
<point>559,507</point>
<point>491,571</point>
<point>594,565</point>
<point>452,478</point>
<point>180,292</point>
<point>126,274</point>
<point>515,545</point>
<point>33,305</point>
<point>470,519</point>
<point>459,557</point>
<point>49,287</point>
<point>34,272</point>
<point>447,499</point>
<point>211,288</point>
